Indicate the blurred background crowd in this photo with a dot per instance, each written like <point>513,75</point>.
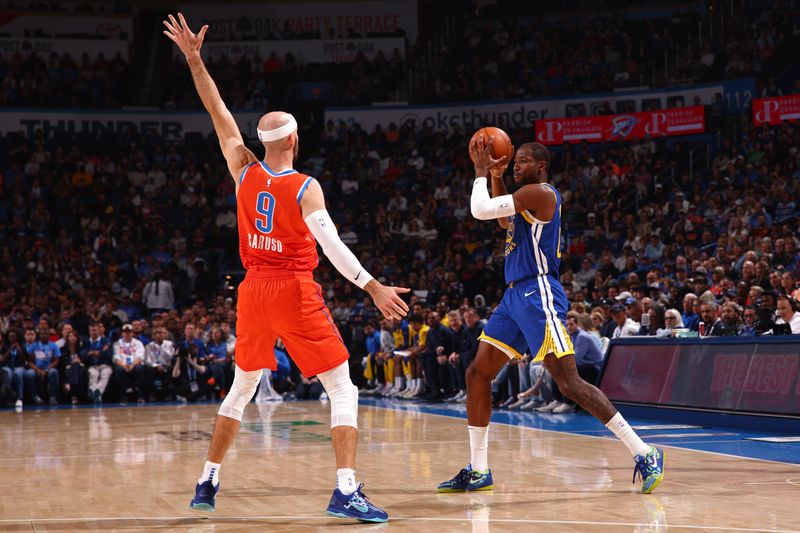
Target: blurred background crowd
<point>118,272</point>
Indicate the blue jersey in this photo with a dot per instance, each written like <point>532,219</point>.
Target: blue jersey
<point>44,353</point>
<point>533,248</point>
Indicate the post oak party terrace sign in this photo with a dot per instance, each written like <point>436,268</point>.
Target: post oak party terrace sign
<point>233,21</point>
<point>622,127</point>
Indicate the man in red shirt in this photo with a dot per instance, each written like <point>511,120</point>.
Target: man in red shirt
<point>281,217</point>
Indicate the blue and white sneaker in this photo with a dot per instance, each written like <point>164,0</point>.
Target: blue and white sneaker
<point>650,469</point>
<point>356,506</point>
<point>468,480</point>
<point>204,495</point>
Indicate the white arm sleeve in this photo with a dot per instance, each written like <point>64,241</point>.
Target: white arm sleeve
<point>484,207</point>
<point>324,230</point>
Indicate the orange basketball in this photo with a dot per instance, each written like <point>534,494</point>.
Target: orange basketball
<point>501,146</point>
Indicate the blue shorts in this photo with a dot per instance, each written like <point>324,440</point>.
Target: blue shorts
<point>531,318</point>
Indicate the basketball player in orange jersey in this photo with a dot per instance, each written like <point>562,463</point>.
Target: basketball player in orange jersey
<point>281,217</point>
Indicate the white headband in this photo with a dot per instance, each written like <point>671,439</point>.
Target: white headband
<point>278,133</point>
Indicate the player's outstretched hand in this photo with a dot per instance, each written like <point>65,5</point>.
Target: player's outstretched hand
<point>483,157</point>
<point>387,299</point>
<point>179,32</point>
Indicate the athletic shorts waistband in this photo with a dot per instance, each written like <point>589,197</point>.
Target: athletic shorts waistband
<point>275,275</point>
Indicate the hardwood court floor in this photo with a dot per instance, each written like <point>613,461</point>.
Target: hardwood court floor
<point>126,469</point>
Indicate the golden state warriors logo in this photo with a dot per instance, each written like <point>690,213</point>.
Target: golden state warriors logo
<point>510,244</point>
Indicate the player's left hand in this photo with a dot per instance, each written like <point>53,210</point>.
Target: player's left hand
<point>499,169</point>
<point>387,299</point>
<point>179,32</point>
<point>483,157</point>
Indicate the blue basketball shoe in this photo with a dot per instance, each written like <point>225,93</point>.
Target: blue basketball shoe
<point>204,495</point>
<point>650,469</point>
<point>468,480</point>
<point>356,506</point>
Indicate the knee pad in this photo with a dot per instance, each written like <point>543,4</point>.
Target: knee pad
<point>242,391</point>
<point>342,394</point>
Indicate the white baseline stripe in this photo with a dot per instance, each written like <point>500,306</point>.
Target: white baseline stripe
<point>222,518</point>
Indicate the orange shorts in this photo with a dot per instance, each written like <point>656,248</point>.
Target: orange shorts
<point>288,305</point>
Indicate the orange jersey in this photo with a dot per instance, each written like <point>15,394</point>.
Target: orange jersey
<point>272,233</point>
<point>279,297</point>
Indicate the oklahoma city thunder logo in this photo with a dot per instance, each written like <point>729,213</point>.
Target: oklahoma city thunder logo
<point>623,126</point>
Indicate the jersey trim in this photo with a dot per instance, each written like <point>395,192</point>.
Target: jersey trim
<point>535,220</point>
<point>545,290</point>
<point>532,220</point>
<point>273,173</point>
<point>500,345</point>
<point>303,189</point>
<point>527,216</point>
<point>241,178</point>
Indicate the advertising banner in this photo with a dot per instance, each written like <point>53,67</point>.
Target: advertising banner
<point>171,126</point>
<point>306,51</point>
<point>523,113</point>
<point>625,127</point>
<point>63,25</point>
<point>773,111</point>
<point>74,47</point>
<point>639,373</point>
<point>730,376</point>
<point>267,20</point>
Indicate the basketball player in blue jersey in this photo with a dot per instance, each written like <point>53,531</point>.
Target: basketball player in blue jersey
<point>532,313</point>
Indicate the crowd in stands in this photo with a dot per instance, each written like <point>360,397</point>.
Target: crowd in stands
<point>59,80</point>
<point>254,82</point>
<point>98,233</point>
<point>496,58</point>
<point>117,6</point>
<point>523,57</point>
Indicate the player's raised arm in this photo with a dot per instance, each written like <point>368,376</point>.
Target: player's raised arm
<point>498,187</point>
<point>535,197</point>
<point>319,222</point>
<point>236,153</point>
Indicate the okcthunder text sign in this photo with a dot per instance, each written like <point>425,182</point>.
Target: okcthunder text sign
<point>628,126</point>
<point>773,111</point>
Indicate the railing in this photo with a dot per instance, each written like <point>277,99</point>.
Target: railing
<point>696,154</point>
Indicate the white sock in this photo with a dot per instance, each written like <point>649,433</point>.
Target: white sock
<point>627,435</point>
<point>210,471</point>
<point>479,447</point>
<point>398,383</point>
<point>346,481</point>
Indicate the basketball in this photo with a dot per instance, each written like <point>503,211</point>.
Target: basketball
<point>501,146</point>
